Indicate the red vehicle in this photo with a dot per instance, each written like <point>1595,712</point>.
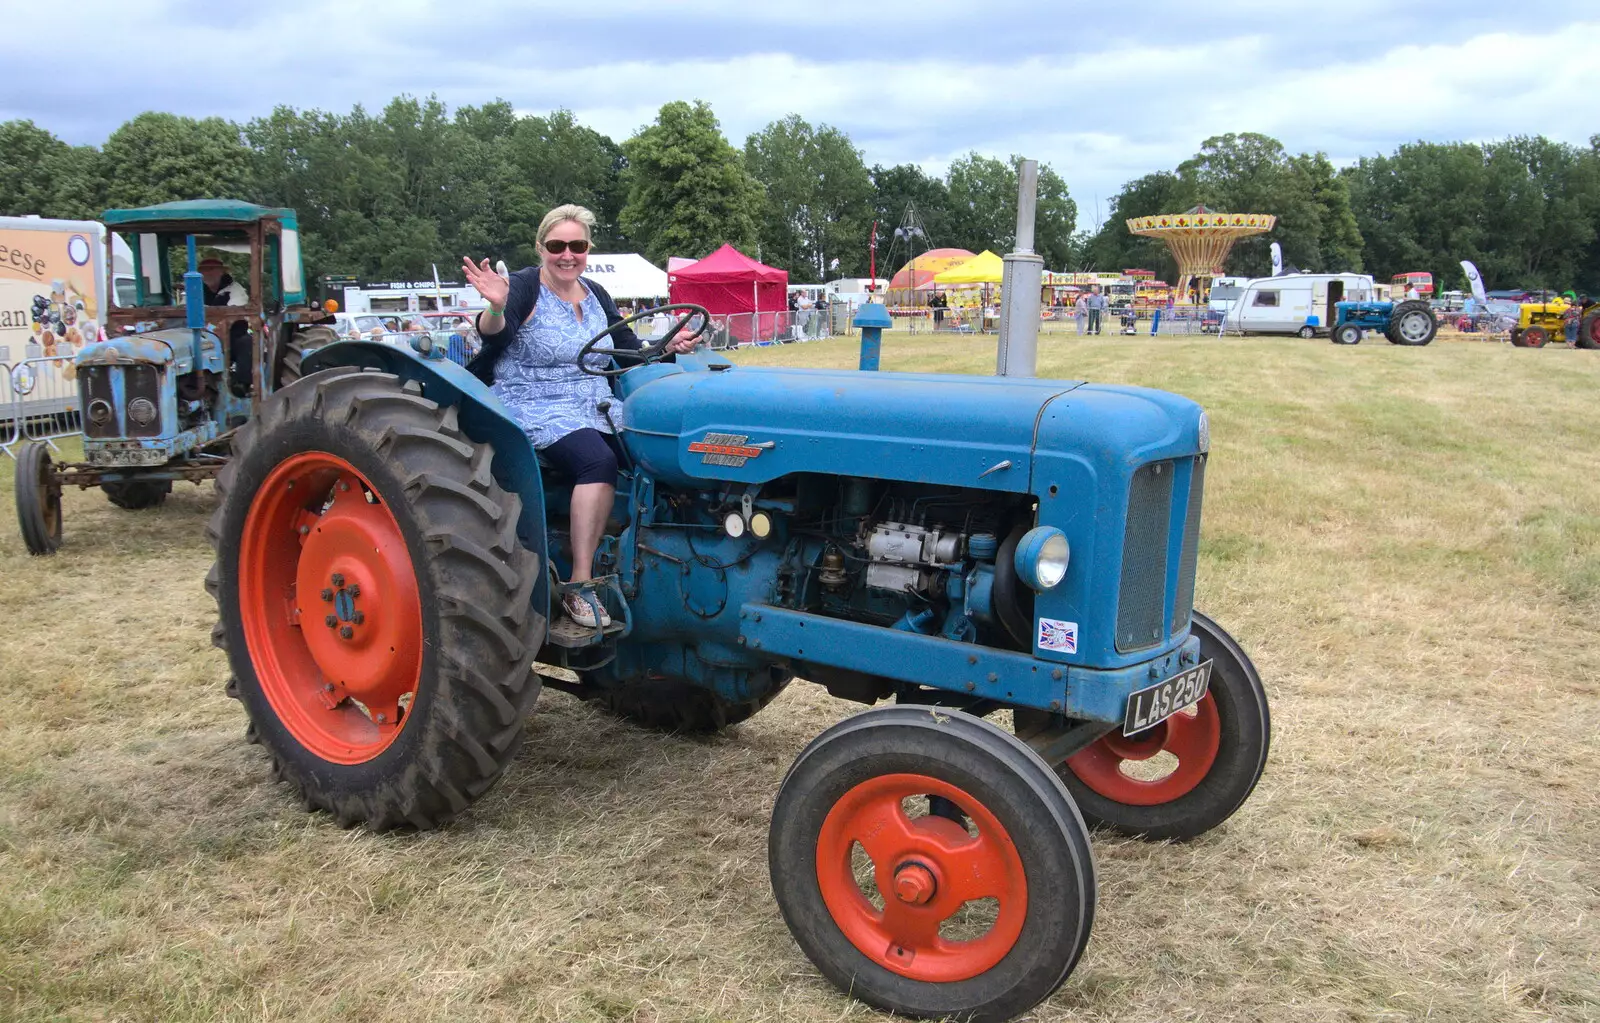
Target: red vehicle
<point>1422,280</point>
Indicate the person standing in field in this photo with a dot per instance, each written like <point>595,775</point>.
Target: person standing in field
<point>1097,308</point>
<point>1080,313</point>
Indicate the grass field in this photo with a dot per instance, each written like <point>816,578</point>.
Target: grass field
<point>1406,540</point>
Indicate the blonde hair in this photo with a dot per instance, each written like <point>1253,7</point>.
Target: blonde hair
<point>560,215</point>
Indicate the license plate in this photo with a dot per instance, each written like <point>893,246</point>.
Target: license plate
<point>1148,707</point>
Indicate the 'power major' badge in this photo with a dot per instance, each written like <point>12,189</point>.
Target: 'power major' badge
<point>726,449</point>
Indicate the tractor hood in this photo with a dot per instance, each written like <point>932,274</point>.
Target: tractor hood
<point>688,423</point>
<point>173,347</point>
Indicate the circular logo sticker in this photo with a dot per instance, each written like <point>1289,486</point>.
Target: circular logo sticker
<point>22,379</point>
<point>78,250</point>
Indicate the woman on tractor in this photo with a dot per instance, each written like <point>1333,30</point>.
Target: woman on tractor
<point>536,323</point>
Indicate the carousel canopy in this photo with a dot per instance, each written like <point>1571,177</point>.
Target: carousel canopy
<point>921,270</point>
<point>984,268</point>
<point>1200,239</point>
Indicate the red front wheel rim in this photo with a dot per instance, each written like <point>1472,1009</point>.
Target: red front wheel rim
<point>1194,739</point>
<point>330,609</point>
<point>925,869</point>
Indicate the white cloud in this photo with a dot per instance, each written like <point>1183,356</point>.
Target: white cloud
<point>1015,79</point>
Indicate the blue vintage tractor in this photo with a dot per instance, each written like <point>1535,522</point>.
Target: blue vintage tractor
<point>390,549</point>
<point>161,395</point>
<point>1411,322</point>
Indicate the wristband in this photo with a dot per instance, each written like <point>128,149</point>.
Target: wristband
<point>496,310</point>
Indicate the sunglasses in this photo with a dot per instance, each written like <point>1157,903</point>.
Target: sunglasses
<point>556,246</point>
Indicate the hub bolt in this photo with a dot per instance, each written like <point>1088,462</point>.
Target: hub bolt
<point>338,580</point>
<point>346,632</point>
<point>913,883</point>
<point>331,621</point>
<point>353,590</point>
<point>358,618</point>
<point>327,594</point>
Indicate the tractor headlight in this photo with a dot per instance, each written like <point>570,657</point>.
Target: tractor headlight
<point>1042,556</point>
<point>1205,433</point>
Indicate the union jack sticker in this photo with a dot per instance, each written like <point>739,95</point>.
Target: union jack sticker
<point>726,449</point>
<point>1058,636</point>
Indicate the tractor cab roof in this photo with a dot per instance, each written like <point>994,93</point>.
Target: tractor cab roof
<point>199,211</point>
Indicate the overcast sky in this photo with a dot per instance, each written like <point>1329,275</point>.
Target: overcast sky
<point>1102,93</point>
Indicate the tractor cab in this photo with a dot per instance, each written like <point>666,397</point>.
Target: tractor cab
<point>211,318</point>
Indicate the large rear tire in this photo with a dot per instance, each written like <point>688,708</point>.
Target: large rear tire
<point>136,495</point>
<point>38,499</point>
<point>1412,323</point>
<point>675,705</point>
<point>300,345</point>
<point>976,913</point>
<point>374,599</point>
<point>1589,331</point>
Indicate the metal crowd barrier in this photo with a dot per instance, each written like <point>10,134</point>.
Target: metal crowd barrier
<point>741,330</point>
<point>38,401</point>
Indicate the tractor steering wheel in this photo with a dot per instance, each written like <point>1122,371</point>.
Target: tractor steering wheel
<point>686,312</point>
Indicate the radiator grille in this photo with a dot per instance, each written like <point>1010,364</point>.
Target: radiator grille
<point>143,382</point>
<point>1183,607</point>
<point>1141,601</point>
<point>99,412</point>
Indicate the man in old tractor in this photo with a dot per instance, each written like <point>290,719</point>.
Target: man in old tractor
<point>222,290</point>
<point>391,548</point>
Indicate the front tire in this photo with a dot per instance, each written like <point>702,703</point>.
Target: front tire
<point>136,495</point>
<point>38,499</point>
<point>1308,332</point>
<point>881,895</point>
<point>1347,334</point>
<point>374,600</point>
<point>1216,755</point>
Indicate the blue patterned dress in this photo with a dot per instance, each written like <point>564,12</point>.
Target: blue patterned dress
<point>538,376</point>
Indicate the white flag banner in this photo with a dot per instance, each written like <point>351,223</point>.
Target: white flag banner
<point>1475,280</point>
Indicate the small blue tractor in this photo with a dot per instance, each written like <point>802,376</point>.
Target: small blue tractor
<point>163,393</point>
<point>1412,322</point>
<point>389,552</point>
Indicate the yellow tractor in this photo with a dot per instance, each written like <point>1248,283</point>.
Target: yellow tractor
<point>1538,323</point>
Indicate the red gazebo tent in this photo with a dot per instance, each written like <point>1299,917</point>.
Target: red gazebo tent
<point>728,281</point>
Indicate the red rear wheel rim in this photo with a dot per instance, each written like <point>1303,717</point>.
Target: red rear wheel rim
<point>926,869</point>
<point>330,609</point>
<point>1193,739</point>
<point>1591,328</point>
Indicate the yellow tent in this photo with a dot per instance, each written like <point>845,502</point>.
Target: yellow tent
<point>984,268</point>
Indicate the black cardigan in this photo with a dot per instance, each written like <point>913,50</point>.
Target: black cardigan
<point>521,299</point>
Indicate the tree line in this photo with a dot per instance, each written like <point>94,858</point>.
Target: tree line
<point>390,194</point>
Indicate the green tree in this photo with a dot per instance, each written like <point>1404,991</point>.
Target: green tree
<point>157,158</point>
<point>982,209</point>
<point>818,198</point>
<point>1114,247</point>
<point>40,174</point>
<point>688,190</point>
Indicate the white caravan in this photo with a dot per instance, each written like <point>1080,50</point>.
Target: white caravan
<point>1299,303</point>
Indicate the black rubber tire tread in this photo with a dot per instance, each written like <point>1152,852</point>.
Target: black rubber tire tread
<point>136,495</point>
<point>676,705</point>
<point>1246,738</point>
<point>1346,334</point>
<point>475,581</point>
<point>1589,331</point>
<point>303,343</point>
<point>1535,337</point>
<point>38,511</point>
<point>1013,783</point>
<point>1392,332</point>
